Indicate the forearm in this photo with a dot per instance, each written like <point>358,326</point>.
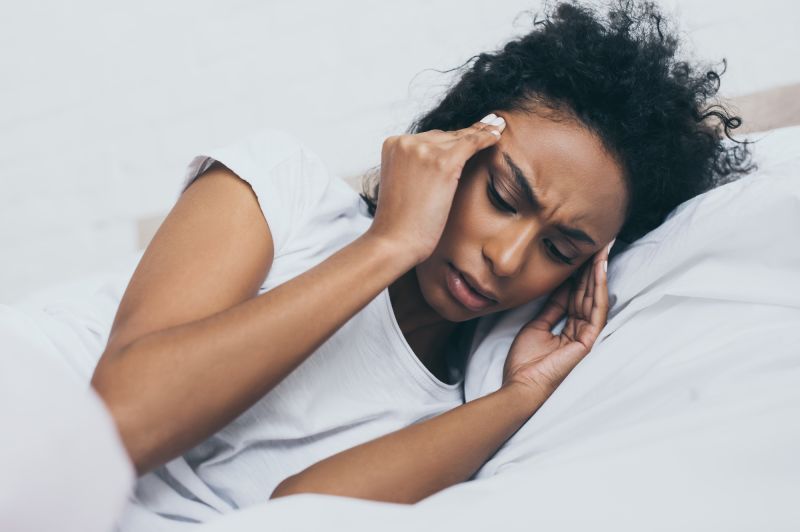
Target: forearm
<point>171,389</point>
<point>410,464</point>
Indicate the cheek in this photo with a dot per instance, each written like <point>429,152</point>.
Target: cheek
<point>531,286</point>
<point>469,219</point>
<point>472,222</point>
<point>540,278</point>
<point>472,211</point>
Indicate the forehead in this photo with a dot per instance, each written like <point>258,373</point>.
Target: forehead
<point>576,180</point>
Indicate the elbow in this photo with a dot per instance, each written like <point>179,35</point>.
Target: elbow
<point>133,440</point>
<point>288,486</point>
<point>120,411</point>
<point>297,484</point>
<point>106,384</point>
<point>103,385</point>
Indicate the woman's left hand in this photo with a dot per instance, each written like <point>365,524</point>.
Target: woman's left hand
<point>428,456</point>
<point>540,359</point>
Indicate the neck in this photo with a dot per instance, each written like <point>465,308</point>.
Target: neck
<point>420,324</point>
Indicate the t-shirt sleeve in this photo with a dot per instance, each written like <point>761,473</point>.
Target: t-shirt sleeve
<point>288,179</point>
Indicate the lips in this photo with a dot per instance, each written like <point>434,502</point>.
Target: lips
<point>477,287</point>
<point>464,292</point>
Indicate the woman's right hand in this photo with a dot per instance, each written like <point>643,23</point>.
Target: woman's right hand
<point>419,177</point>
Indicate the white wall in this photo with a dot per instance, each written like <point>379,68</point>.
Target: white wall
<point>102,104</point>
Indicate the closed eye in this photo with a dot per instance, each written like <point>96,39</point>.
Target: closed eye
<point>501,204</point>
<point>555,253</point>
<point>495,197</point>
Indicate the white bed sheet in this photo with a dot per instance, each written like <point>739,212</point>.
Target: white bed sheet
<point>689,295</point>
<point>684,416</point>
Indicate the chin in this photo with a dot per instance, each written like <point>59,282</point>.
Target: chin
<point>445,308</point>
<point>438,298</point>
<point>454,312</point>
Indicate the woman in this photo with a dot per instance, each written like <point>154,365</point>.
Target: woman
<point>283,341</point>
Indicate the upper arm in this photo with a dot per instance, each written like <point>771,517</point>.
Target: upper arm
<point>212,252</point>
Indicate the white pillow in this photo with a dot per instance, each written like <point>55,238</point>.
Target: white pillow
<point>724,263</point>
<point>683,416</point>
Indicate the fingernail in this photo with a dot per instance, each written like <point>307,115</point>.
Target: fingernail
<point>495,133</point>
<point>499,122</point>
<point>611,244</point>
<point>605,266</point>
<point>489,119</point>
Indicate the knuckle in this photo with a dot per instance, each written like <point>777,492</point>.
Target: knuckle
<point>470,136</point>
<point>441,164</point>
<point>479,129</point>
<point>422,150</point>
<point>403,141</point>
<point>388,144</point>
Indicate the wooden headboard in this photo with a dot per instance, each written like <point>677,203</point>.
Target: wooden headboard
<point>768,109</point>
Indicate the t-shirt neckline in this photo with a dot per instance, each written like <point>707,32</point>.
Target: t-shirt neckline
<point>423,375</point>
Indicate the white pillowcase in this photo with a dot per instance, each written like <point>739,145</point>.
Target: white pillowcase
<point>683,416</point>
<point>728,259</point>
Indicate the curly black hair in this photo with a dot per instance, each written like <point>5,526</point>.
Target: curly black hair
<point>619,76</point>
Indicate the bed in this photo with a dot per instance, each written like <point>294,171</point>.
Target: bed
<point>683,417</point>
<point>685,414</point>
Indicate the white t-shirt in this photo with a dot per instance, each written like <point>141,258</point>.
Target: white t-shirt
<point>363,382</point>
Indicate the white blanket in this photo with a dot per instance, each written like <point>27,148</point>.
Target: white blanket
<point>683,417</point>
<point>62,465</point>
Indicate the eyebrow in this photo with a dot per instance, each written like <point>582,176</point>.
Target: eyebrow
<point>524,184</point>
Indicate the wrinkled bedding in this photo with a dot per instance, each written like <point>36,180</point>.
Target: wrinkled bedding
<point>683,416</point>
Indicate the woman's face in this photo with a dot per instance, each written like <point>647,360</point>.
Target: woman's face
<point>527,213</point>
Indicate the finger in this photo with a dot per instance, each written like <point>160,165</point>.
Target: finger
<point>599,314</point>
<point>478,127</point>
<point>606,251</point>
<point>598,258</point>
<point>478,136</point>
<point>588,298</point>
<point>553,310</point>
<point>573,282</point>
<point>436,135</point>
<point>580,291</point>
<point>489,123</point>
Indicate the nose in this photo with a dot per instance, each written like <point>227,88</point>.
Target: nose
<point>507,251</point>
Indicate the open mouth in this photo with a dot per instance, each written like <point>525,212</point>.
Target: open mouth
<point>464,293</point>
